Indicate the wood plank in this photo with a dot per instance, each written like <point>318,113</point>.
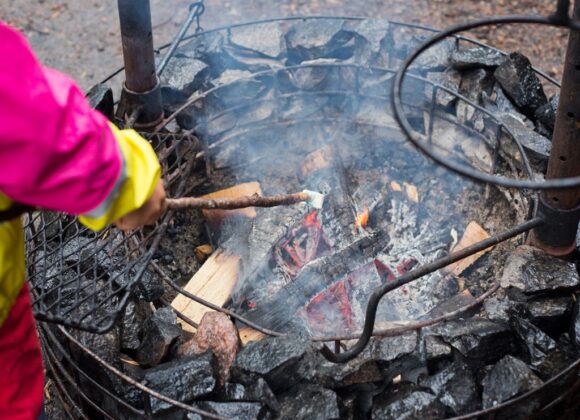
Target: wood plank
<point>215,217</point>
<point>473,233</point>
<point>213,282</point>
<point>248,334</point>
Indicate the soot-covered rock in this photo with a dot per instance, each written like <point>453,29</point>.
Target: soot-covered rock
<point>455,388</point>
<point>551,315</point>
<point>185,73</point>
<point>555,362</point>
<point>477,57</point>
<point>450,79</point>
<point>533,342</point>
<point>256,391</point>
<point>416,405</point>
<point>437,351</point>
<point>308,402</point>
<point>536,145</point>
<point>372,43</point>
<point>436,56</point>
<point>135,315</point>
<point>509,378</point>
<point>100,97</point>
<point>530,272</point>
<point>276,359</point>
<point>575,330</point>
<point>159,332</point>
<point>477,339</point>
<point>313,39</point>
<point>520,83</point>
<point>238,410</point>
<point>183,380</point>
<point>265,38</point>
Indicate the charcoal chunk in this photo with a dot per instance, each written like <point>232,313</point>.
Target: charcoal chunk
<point>530,272</point>
<point>274,358</point>
<point>477,339</point>
<point>159,332</point>
<point>509,378</point>
<point>183,380</point>
<point>520,83</point>
<point>417,405</point>
<point>534,343</point>
<point>476,57</point>
<point>455,388</point>
<point>309,402</point>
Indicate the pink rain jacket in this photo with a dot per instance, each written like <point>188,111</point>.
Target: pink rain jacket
<point>55,153</point>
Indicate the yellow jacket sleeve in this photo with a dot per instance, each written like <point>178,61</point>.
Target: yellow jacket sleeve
<point>139,175</point>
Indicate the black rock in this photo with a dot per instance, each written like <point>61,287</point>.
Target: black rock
<point>479,340</point>
<point>159,332</point>
<point>276,359</point>
<point>499,307</point>
<point>498,103</point>
<point>520,83</point>
<point>185,73</point>
<point>509,378</point>
<point>417,405</point>
<point>256,391</point>
<point>555,362</point>
<point>437,352</point>
<point>149,288</point>
<point>575,330</point>
<point>537,147</point>
<point>474,84</point>
<point>372,41</point>
<point>313,39</point>
<point>135,315</point>
<point>533,342</point>
<point>309,402</point>
<point>100,97</point>
<point>455,388</point>
<point>475,58</point>
<point>530,272</point>
<point>183,380</point>
<point>551,315</point>
<point>265,38</point>
<point>435,57</point>
<point>449,79</point>
<point>237,410</point>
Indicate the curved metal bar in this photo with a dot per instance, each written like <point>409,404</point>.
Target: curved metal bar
<point>437,157</point>
<point>413,275</point>
<point>391,332</point>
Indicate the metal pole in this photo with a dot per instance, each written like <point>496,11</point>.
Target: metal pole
<point>560,208</point>
<point>141,88</point>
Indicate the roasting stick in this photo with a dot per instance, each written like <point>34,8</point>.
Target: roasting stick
<point>312,198</point>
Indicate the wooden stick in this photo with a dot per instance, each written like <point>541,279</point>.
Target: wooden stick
<point>254,200</point>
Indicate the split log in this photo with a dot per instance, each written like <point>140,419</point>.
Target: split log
<point>213,282</point>
<point>473,234</point>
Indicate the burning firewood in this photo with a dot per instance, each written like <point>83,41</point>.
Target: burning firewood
<point>311,197</point>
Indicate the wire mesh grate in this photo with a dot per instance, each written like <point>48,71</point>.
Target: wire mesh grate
<point>83,279</point>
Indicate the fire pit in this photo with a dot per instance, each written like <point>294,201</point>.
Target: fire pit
<point>304,103</point>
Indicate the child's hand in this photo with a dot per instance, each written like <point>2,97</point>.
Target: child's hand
<point>148,213</point>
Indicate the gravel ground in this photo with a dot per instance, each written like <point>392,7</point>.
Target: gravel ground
<point>82,38</point>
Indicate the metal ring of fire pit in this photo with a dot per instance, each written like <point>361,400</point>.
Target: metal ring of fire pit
<point>49,338</point>
<point>469,172</point>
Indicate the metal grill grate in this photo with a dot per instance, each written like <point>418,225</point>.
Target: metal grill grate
<point>83,279</point>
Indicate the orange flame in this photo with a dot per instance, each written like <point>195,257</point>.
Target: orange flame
<point>362,219</point>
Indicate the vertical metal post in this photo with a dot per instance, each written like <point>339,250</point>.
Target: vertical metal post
<point>560,208</point>
<point>141,88</point>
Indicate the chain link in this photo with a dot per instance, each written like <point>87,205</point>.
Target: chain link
<point>198,13</point>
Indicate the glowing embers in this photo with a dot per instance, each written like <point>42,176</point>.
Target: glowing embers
<point>341,306</point>
<point>304,244</point>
